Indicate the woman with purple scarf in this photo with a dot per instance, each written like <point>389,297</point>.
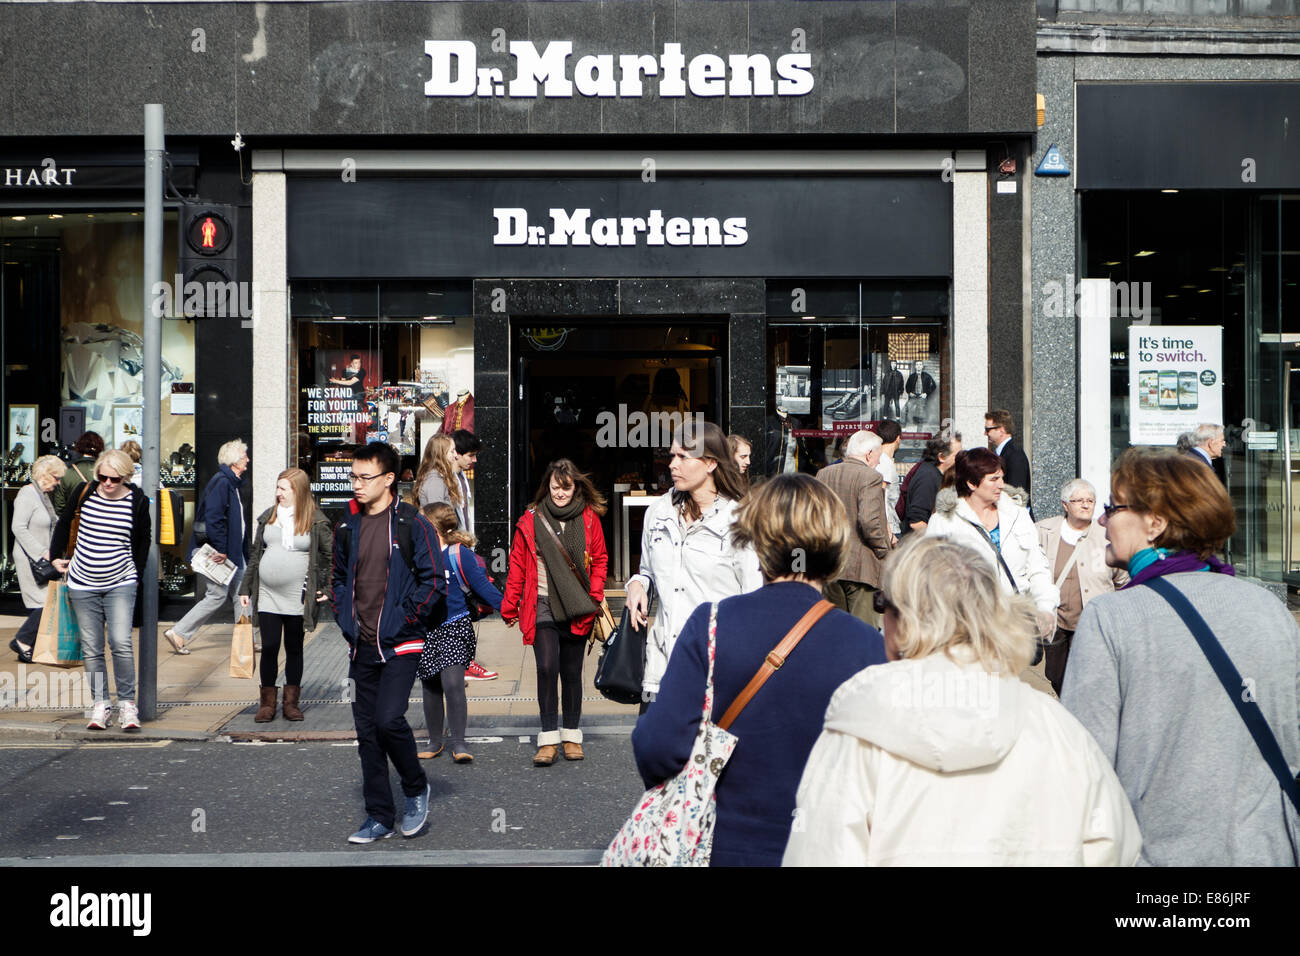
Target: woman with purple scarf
<point>1202,789</point>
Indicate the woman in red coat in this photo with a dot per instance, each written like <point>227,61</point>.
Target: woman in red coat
<point>556,581</point>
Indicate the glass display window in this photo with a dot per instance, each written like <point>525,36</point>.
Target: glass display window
<point>860,354</point>
<point>72,313</point>
<point>391,362</point>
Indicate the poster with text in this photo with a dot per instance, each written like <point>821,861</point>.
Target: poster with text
<point>1175,380</point>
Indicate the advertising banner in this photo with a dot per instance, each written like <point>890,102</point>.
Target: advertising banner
<point>1175,381</point>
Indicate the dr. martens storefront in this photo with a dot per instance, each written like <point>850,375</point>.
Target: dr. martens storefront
<point>548,293</point>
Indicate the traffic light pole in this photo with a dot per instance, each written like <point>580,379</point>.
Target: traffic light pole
<point>147,696</point>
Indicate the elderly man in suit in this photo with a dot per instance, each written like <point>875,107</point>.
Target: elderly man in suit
<point>862,490</point>
<point>1075,545</point>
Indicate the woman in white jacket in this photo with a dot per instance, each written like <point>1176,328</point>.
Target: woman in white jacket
<point>945,757</point>
<point>688,555</point>
<point>1000,531</point>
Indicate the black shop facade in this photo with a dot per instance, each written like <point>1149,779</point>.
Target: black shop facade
<point>581,316</point>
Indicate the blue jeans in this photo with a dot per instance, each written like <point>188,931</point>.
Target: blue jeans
<point>214,598</point>
<point>113,607</point>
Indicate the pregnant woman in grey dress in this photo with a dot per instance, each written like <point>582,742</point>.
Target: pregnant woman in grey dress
<point>33,524</point>
<point>287,579</point>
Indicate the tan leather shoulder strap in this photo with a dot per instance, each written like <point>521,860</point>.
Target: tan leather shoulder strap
<point>775,658</point>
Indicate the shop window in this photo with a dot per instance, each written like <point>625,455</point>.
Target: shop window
<point>863,353</point>
<point>71,304</point>
<point>390,362</point>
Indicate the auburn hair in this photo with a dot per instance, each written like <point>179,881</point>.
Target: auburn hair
<point>1182,491</point>
<point>567,474</point>
<point>971,467</point>
<point>304,505</point>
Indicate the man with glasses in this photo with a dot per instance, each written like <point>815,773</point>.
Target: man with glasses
<point>998,427</point>
<point>1075,545</point>
<point>218,521</point>
<point>388,581</point>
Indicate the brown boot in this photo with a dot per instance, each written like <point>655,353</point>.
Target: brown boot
<point>572,751</point>
<point>545,755</point>
<point>266,706</point>
<point>291,694</point>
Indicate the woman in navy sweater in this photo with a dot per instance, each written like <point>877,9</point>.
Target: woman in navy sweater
<point>800,531</point>
<point>449,648</point>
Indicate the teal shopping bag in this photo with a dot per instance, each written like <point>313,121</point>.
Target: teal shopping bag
<point>58,642</point>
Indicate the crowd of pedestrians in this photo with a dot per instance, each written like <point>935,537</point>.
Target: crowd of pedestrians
<point>866,633</point>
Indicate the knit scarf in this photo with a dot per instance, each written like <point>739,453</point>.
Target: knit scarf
<point>1156,562</point>
<point>569,596</point>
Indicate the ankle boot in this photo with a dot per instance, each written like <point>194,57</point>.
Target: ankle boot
<point>291,693</point>
<point>266,706</point>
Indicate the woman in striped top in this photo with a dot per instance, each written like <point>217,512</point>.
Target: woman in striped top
<point>103,536</point>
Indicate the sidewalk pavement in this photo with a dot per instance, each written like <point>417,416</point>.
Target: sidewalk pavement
<point>197,699</point>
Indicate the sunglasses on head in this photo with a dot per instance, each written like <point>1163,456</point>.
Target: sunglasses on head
<point>110,479</point>
<point>880,604</point>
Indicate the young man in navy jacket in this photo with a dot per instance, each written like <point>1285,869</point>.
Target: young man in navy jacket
<point>381,605</point>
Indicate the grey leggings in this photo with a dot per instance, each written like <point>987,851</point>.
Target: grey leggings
<point>449,683</point>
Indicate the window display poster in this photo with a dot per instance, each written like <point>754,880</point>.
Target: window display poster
<point>128,424</point>
<point>334,405</point>
<point>793,388</point>
<point>332,484</point>
<point>22,435</point>
<point>1175,380</point>
<point>905,391</point>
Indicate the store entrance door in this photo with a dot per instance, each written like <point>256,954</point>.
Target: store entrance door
<point>607,396</point>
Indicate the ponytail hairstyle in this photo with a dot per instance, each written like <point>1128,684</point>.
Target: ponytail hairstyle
<point>443,518</point>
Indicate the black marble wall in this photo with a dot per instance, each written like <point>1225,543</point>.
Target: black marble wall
<point>283,69</point>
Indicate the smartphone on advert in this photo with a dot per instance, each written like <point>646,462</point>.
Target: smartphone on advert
<point>1187,390</point>
<point>1148,384</point>
<point>1168,389</point>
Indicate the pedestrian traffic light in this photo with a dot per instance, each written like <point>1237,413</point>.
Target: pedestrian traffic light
<point>208,262</point>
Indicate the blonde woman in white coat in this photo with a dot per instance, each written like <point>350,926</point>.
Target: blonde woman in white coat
<point>944,757</point>
<point>688,555</point>
<point>996,528</point>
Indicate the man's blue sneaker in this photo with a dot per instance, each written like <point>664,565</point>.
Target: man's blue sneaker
<point>417,812</point>
<point>371,831</point>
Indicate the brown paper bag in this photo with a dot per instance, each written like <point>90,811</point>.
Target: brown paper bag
<point>58,640</point>
<point>241,649</point>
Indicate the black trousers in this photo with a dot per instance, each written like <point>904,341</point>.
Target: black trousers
<point>559,656</point>
<point>271,626</point>
<point>27,631</point>
<point>379,712</point>
<point>1056,654</point>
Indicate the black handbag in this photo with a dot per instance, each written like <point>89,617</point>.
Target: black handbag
<point>621,667</point>
<point>43,571</point>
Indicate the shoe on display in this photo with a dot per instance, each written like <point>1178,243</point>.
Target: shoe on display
<point>476,671</point>
<point>417,812</point>
<point>371,831</point>
<point>99,716</point>
<point>130,719</point>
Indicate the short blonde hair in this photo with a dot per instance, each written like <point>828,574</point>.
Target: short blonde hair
<point>118,460</point>
<point>797,525</point>
<point>231,452</point>
<point>947,595</point>
<point>48,465</point>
